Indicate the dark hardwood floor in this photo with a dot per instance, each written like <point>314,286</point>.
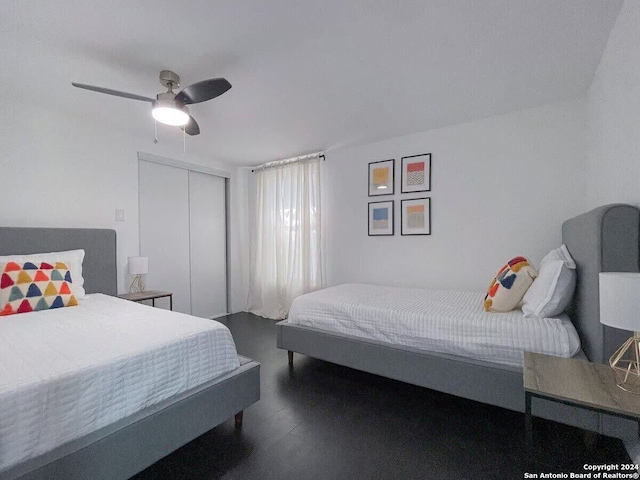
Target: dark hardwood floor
<point>323,421</point>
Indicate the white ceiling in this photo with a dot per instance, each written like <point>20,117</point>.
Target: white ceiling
<point>307,75</point>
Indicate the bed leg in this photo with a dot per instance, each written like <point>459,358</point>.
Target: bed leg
<point>290,355</point>
<point>239,419</point>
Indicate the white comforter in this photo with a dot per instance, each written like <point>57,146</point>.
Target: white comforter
<point>434,320</point>
<point>70,371</point>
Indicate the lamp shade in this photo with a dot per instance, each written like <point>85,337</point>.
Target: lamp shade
<point>138,265</point>
<point>620,300</point>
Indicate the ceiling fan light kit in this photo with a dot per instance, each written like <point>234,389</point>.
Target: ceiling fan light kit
<point>170,112</point>
<point>171,108</point>
<point>170,116</point>
<point>166,109</point>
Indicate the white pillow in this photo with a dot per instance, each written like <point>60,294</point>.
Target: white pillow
<point>562,254</point>
<point>551,292</point>
<point>73,259</point>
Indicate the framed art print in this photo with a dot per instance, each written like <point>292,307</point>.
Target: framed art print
<point>381,177</point>
<point>416,173</point>
<point>415,216</point>
<point>381,218</point>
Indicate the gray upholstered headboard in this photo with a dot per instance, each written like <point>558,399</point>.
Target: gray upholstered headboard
<point>99,267</point>
<point>603,240</point>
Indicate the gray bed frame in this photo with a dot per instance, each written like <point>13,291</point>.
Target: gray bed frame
<point>127,447</point>
<point>604,239</point>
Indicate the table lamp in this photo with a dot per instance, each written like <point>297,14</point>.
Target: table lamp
<point>620,308</point>
<point>138,266</point>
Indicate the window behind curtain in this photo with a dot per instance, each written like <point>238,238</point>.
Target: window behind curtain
<point>287,255</point>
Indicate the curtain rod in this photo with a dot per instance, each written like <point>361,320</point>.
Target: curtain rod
<point>288,160</point>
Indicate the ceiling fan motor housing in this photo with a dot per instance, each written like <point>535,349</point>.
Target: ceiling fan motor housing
<point>168,99</point>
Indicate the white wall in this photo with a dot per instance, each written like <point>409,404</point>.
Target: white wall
<point>65,171</point>
<point>239,239</point>
<point>501,187</point>
<point>613,165</point>
<point>613,155</point>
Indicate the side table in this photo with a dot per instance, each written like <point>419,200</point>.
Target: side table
<point>148,295</point>
<point>579,383</point>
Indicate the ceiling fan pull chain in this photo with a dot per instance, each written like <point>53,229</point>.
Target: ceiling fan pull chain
<point>184,141</point>
<point>155,131</point>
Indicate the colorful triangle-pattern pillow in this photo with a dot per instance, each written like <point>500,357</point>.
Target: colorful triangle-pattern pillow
<point>26,287</point>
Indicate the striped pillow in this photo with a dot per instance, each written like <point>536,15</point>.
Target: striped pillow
<point>27,287</point>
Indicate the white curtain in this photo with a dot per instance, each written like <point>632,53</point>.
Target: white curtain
<point>287,256</point>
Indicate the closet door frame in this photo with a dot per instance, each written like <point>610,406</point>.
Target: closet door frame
<point>148,157</point>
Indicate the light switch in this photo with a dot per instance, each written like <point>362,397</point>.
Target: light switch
<point>119,215</point>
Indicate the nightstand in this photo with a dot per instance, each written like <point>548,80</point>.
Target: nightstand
<point>148,295</point>
<point>579,383</point>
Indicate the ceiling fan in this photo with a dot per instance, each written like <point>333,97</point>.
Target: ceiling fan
<point>171,108</point>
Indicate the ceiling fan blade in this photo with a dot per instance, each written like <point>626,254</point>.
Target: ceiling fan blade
<point>192,127</point>
<point>117,93</point>
<point>203,91</point>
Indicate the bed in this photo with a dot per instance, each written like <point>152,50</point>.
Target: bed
<point>437,321</point>
<point>604,239</point>
<point>151,382</point>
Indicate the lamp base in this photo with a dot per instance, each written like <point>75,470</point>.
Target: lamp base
<point>626,365</point>
<point>137,286</point>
